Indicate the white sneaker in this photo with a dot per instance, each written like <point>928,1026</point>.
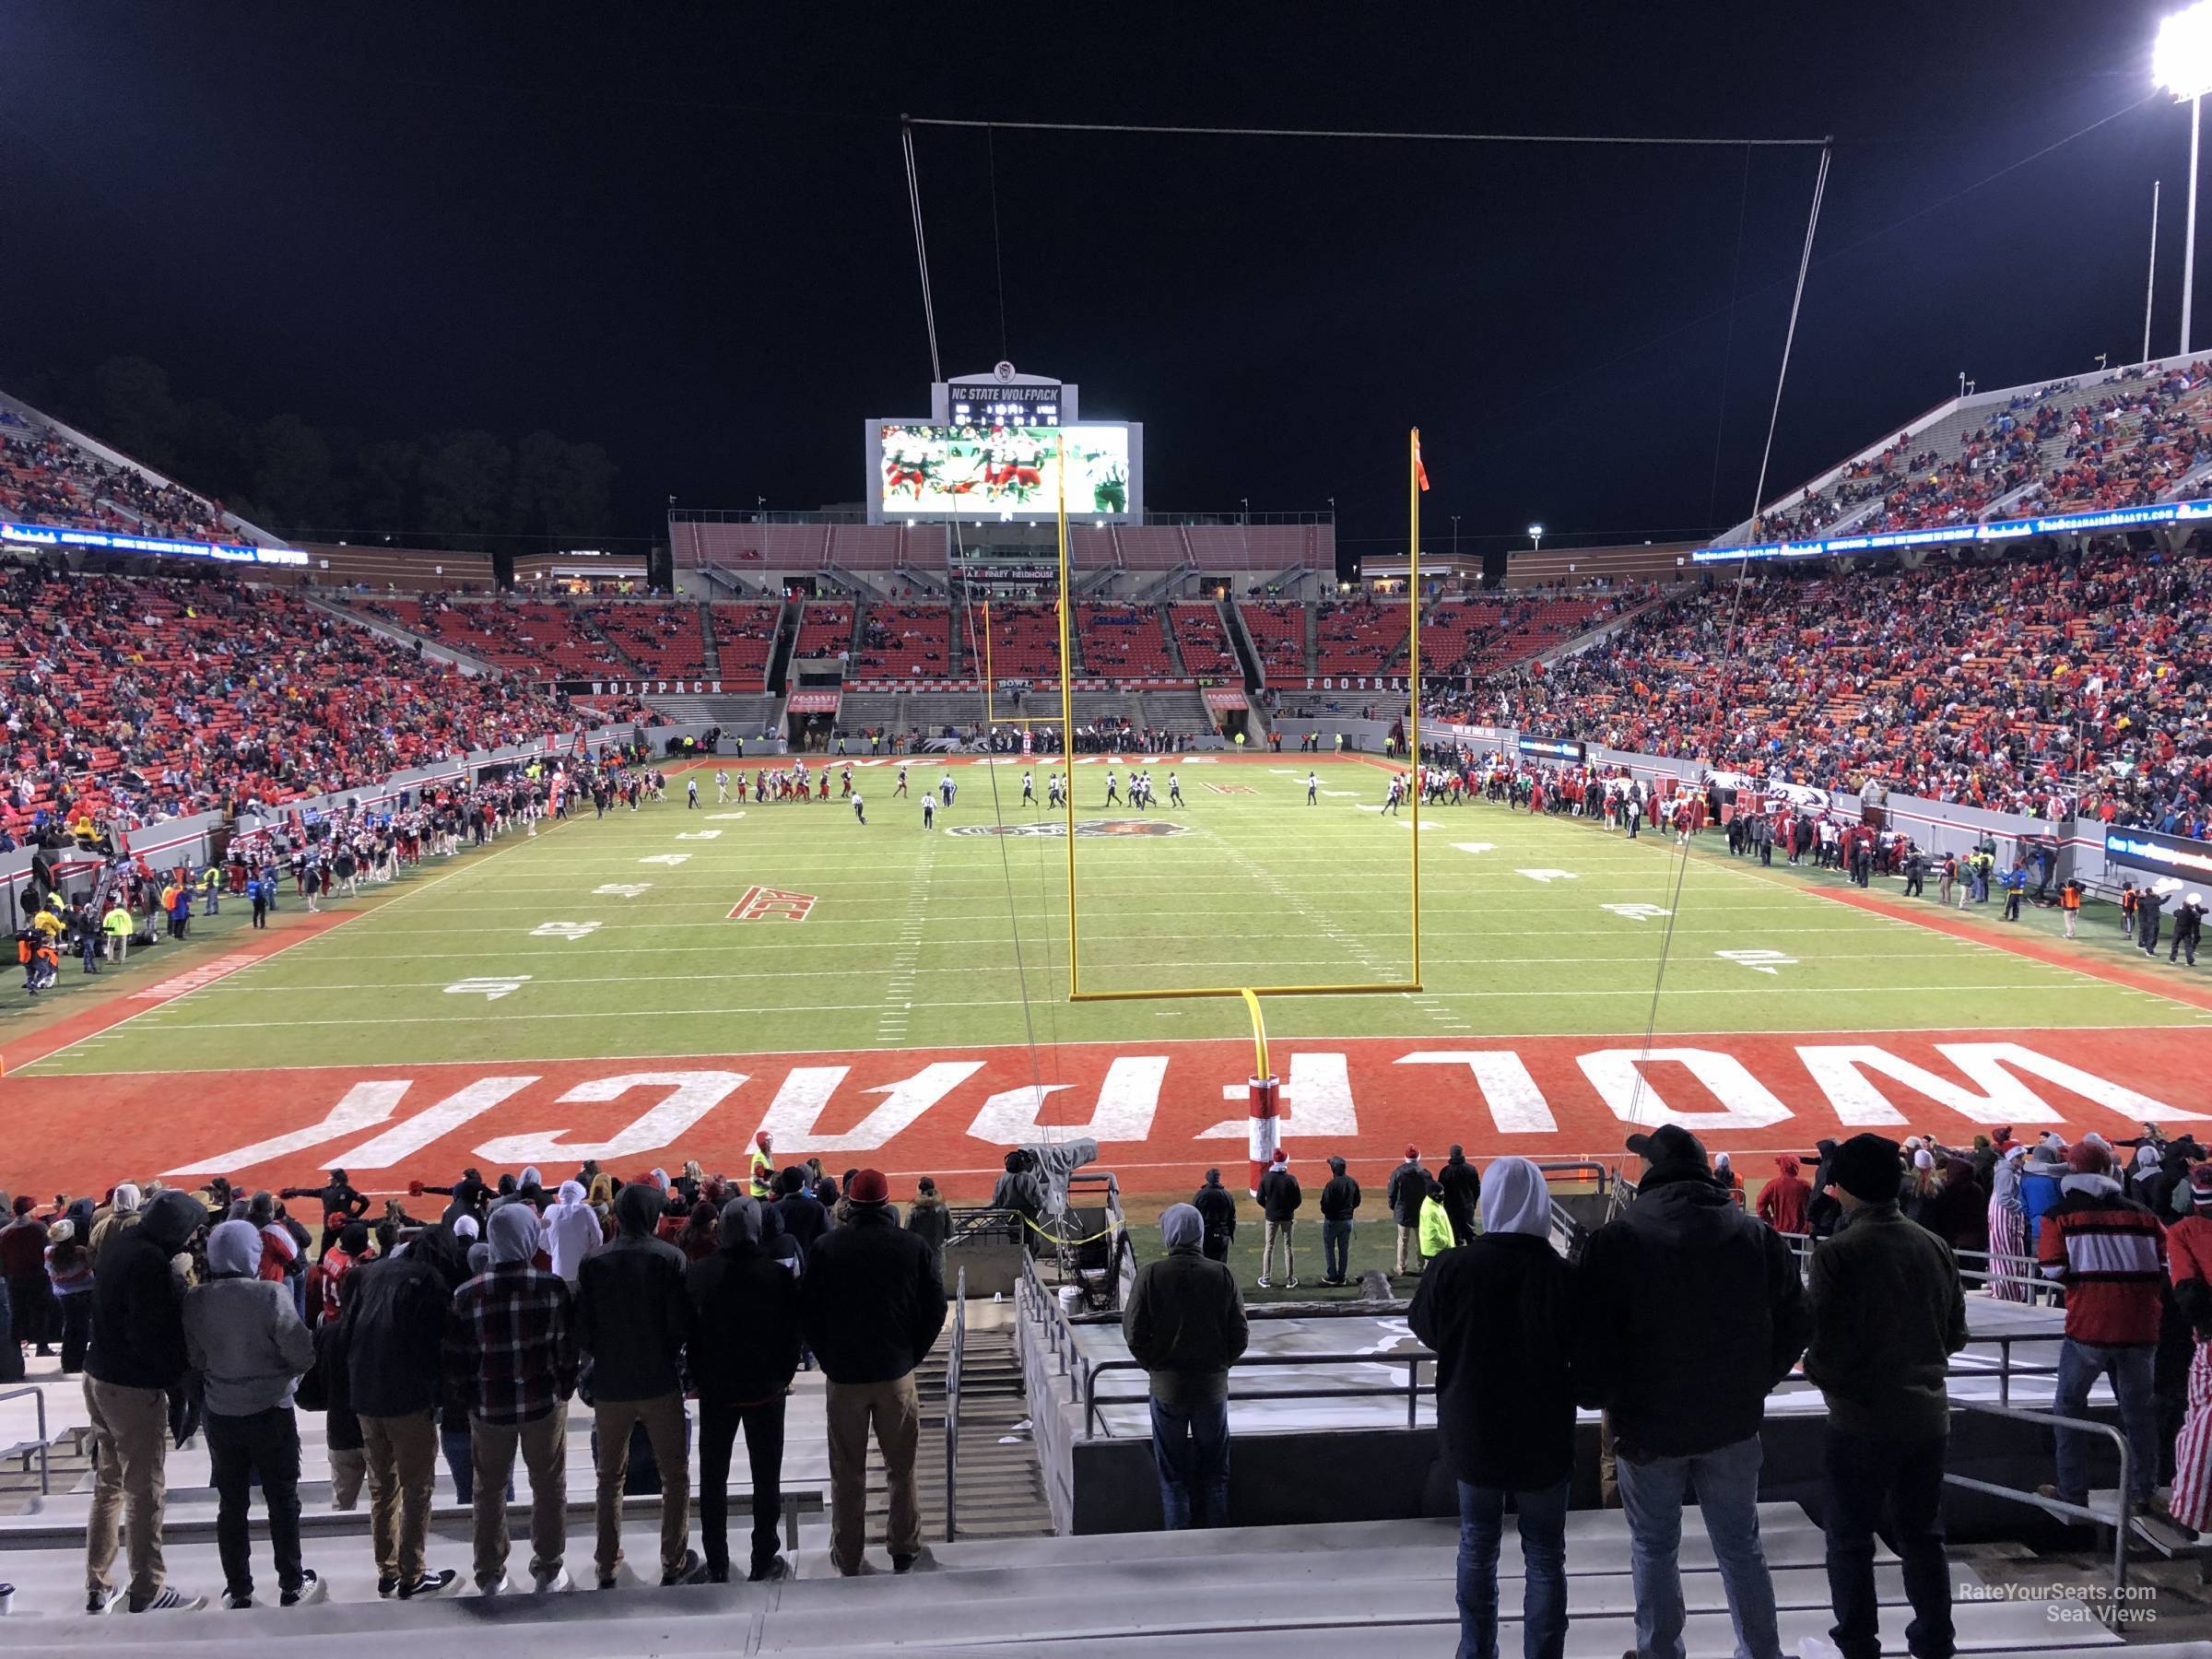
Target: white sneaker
<point>498,1589</point>
<point>1289,1284</point>
<point>1263,1282</point>
<point>553,1584</point>
<point>171,1601</point>
<point>311,1591</point>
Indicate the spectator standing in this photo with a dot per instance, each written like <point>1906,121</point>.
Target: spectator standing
<point>1216,1207</point>
<point>1500,1313</point>
<point>2188,1256</point>
<point>393,1323</point>
<point>1281,1199</point>
<point>2009,1248</point>
<point>1888,1313</point>
<point>572,1232</point>
<point>2109,1254</point>
<point>1694,1312</point>
<point>805,1219</point>
<point>510,1343</point>
<point>744,1352</point>
<point>243,1336</point>
<point>930,1221</point>
<point>632,1318</point>
<point>137,1355</point>
<point>1436,1225</point>
<point>1783,1201</point>
<point>1184,1323</point>
<point>1462,1193</point>
<point>1407,1190</point>
<point>1339,1199</point>
<point>30,1294</point>
<point>870,1308</point>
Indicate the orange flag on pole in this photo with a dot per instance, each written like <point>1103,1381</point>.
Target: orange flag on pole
<point>1419,471</point>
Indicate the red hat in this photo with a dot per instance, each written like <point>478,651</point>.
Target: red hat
<point>2087,1158</point>
<point>1281,1156</point>
<point>868,1187</point>
<point>1412,1153</point>
<point>760,1140</point>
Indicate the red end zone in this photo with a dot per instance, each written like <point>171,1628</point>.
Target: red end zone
<point>1162,1111</point>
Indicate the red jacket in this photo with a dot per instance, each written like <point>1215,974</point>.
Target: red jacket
<point>2110,1256</point>
<point>1782,1200</point>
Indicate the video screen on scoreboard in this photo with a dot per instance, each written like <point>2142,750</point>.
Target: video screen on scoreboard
<point>935,471</point>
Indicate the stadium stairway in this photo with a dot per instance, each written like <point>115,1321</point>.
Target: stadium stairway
<point>1282,1592</point>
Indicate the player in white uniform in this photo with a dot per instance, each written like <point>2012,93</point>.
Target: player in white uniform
<point>944,788</point>
<point>1113,795</point>
<point>929,812</point>
<point>1398,793</point>
<point>1053,795</point>
<point>1028,790</point>
<point>690,796</point>
<point>1312,790</point>
<point>1174,791</point>
<point>902,789</point>
<point>859,811</point>
<point>721,787</point>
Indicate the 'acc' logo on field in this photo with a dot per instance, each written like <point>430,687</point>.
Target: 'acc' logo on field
<point>771,904</point>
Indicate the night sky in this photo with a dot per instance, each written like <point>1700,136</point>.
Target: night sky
<point>681,230</point>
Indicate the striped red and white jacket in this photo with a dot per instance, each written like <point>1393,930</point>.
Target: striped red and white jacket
<point>2110,1256</point>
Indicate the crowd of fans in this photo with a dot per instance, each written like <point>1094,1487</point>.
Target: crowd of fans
<point>48,481</point>
<point>2128,443</point>
<point>2024,686</point>
<point>136,699</point>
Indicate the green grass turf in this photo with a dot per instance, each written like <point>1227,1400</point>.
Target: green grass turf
<point>930,940</point>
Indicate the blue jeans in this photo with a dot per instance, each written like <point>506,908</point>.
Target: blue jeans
<point>1336,1248</point>
<point>2079,1366</point>
<point>1542,1518</point>
<point>1190,1446</point>
<point>1726,1482</point>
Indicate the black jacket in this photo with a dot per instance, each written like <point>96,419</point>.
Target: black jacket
<point>632,1315</point>
<point>1279,1195</point>
<point>871,1301</point>
<point>1408,1187</point>
<point>1462,1183</point>
<point>805,1219</point>
<point>1888,1313</point>
<point>1339,1198</point>
<point>1501,1314</point>
<point>1692,1312</point>
<point>1184,1323</point>
<point>391,1323</point>
<point>1216,1207</point>
<point>137,1303</point>
<point>745,1324</point>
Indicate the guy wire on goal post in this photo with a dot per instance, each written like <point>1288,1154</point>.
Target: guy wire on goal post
<point>1264,1088</point>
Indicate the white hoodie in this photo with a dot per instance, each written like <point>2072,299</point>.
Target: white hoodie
<point>571,1231</point>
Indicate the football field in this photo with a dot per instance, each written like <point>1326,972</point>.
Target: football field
<point>660,984</point>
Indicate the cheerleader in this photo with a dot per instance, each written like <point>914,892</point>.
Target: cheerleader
<point>2009,1245</point>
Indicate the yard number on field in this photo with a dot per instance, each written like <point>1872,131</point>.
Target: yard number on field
<point>700,835</point>
<point>563,930</point>
<point>1637,913</point>
<point>1759,961</point>
<point>491,990</point>
<point>1550,875</point>
<point>668,858</point>
<point>621,889</point>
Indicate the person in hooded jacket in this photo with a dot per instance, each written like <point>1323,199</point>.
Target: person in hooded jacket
<point>1216,1207</point>
<point>1462,1183</point>
<point>1280,1199</point>
<point>242,1337</point>
<point>1693,1312</point>
<point>572,1232</point>
<point>632,1319</point>
<point>1407,1190</point>
<point>392,1321</point>
<point>805,1219</point>
<point>1339,1199</point>
<point>1184,1323</point>
<point>744,1352</point>
<point>137,1355</point>
<point>1781,1202</point>
<point>1501,1314</point>
<point>929,1220</point>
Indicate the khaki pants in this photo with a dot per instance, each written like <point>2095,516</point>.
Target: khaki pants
<point>664,1421</point>
<point>1279,1231</point>
<point>402,1453</point>
<point>347,1471</point>
<point>130,1452</point>
<point>544,1443</point>
<point>1410,1242</point>
<point>895,1413</point>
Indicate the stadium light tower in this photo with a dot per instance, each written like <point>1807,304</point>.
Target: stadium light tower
<point>1535,539</point>
<point>2181,64</point>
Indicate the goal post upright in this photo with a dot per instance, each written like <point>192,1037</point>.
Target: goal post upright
<point>1413,621</point>
<point>1067,711</point>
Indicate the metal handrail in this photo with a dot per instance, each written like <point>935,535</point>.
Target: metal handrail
<point>38,1396</point>
<point>952,1408</point>
<point>2119,1520</point>
<point>1413,1360</point>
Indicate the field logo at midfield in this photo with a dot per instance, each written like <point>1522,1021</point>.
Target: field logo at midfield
<point>1230,788</point>
<point>1087,827</point>
<point>771,904</point>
